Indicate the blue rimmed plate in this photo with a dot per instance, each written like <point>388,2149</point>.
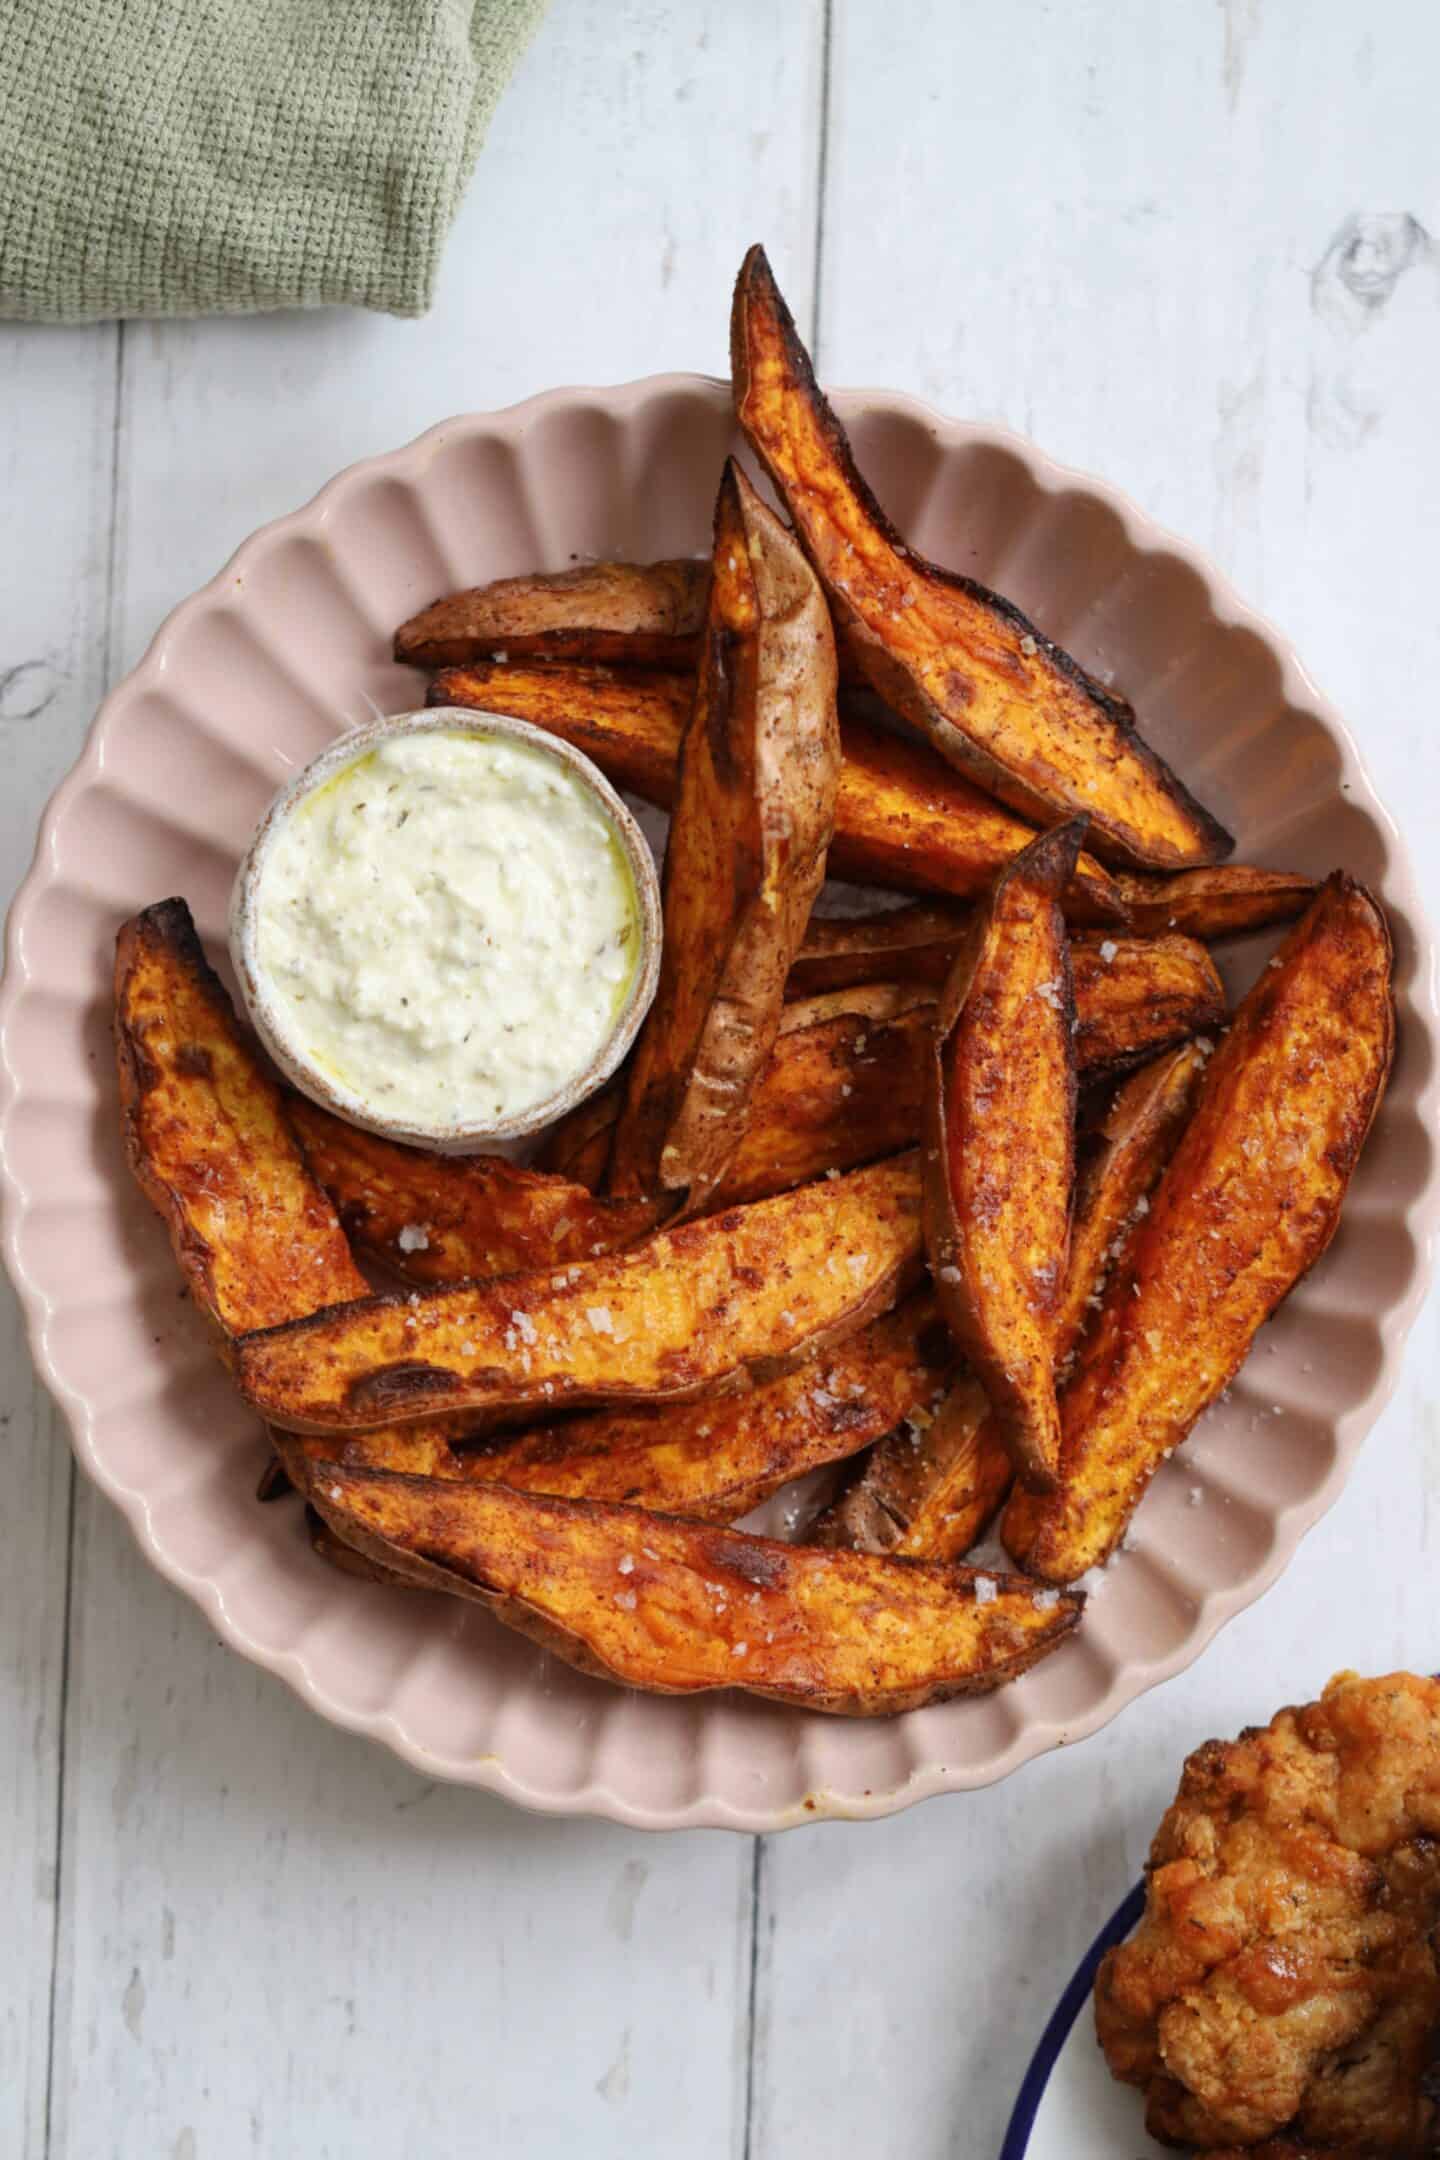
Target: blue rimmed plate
<point>1069,2107</point>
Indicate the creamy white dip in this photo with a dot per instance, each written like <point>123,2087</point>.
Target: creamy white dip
<point>448,928</point>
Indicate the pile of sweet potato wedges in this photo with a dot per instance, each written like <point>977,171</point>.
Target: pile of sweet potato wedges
<point>983,1198</point>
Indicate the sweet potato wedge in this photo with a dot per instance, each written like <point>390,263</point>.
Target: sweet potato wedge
<point>754,812</point>
<point>1248,1203</point>
<point>206,1137</point>
<point>736,1297</point>
<point>1133,994</point>
<point>1228,900</point>
<point>846,1078</point>
<point>909,944</point>
<point>446,1218</point>
<point>1130,992</point>
<point>715,1459</point>
<point>1000,1146</point>
<point>966,669</point>
<point>903,817</point>
<point>679,1607</point>
<point>257,1241</point>
<point>929,1491</point>
<point>648,615</point>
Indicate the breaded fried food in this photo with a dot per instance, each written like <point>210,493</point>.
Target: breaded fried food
<point>1283,1982</point>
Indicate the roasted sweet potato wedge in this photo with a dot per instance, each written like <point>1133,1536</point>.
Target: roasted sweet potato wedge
<point>929,1490</point>
<point>715,1459</point>
<point>648,615</point>
<point>1133,994</point>
<point>1000,1146</point>
<point>754,812</point>
<point>1248,1203</point>
<point>738,1296</point>
<point>678,1607</point>
<point>446,1218</point>
<point>205,1133</point>
<point>846,1078</point>
<point>903,817</point>
<point>996,698</point>
<point>1228,900</point>
<point>909,944</point>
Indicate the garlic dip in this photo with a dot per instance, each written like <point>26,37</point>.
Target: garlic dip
<point>448,927</point>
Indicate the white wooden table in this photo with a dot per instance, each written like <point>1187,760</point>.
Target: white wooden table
<point>1183,246</point>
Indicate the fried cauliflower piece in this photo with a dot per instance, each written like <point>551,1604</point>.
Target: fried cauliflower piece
<point>1284,1983</point>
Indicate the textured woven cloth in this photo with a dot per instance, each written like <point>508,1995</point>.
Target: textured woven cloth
<point>205,157</point>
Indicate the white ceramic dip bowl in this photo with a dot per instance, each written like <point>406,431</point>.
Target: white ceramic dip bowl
<point>300,1053</point>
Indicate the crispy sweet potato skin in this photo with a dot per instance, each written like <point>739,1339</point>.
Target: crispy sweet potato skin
<point>846,1079</point>
<point>678,1607</point>
<point>1249,1202</point>
<point>745,857</point>
<point>714,1459</point>
<point>648,615</point>
<point>477,1215</point>
<point>964,667</point>
<point>1000,1146</point>
<point>740,1295</point>
<point>206,1137</point>
<point>903,817</point>
<point>1228,900</point>
<point>929,1492</point>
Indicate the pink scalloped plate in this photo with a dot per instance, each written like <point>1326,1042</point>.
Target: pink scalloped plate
<point>291,644</point>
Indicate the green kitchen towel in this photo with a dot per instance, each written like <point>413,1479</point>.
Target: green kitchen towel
<point>209,157</point>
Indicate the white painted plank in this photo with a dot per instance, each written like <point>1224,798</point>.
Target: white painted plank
<point>1144,236</point>
<point>280,1940</point>
<point>55,471</point>
<point>273,1937</point>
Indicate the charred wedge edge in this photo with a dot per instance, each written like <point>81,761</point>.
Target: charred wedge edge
<point>648,615</point>
<point>965,668</point>
<point>745,858</point>
<point>679,1607</point>
<point>1000,1146</point>
<point>903,817</point>
<point>721,1302</point>
<point>1248,1203</point>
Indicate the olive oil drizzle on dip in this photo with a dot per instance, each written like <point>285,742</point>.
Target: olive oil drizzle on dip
<point>448,927</point>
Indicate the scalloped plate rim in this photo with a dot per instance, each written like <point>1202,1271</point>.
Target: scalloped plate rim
<point>1134,1679</point>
